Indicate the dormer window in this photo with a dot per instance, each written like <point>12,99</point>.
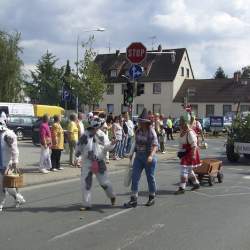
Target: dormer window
<point>113,73</point>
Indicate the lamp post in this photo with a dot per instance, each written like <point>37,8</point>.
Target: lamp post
<point>99,29</point>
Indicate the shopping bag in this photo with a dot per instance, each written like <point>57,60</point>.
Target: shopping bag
<point>128,175</point>
<point>203,145</point>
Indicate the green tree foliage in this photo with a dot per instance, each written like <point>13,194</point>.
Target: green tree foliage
<point>10,67</point>
<point>91,82</point>
<point>246,72</point>
<point>220,74</point>
<point>46,84</point>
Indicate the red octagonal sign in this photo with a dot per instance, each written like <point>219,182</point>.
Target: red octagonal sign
<point>136,52</point>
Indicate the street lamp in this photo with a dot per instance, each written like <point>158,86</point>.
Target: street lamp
<point>98,29</point>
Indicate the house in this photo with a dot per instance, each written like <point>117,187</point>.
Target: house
<point>210,97</point>
<point>163,76</point>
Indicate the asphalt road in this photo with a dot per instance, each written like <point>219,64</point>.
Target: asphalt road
<point>214,217</point>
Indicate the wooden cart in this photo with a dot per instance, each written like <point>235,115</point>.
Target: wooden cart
<point>209,170</point>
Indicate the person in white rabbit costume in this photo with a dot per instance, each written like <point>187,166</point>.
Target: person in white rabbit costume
<point>93,146</point>
<point>8,159</point>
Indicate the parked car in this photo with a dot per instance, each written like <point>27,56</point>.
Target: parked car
<point>21,125</point>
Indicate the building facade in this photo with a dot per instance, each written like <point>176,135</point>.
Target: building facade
<point>215,97</point>
<point>163,77</point>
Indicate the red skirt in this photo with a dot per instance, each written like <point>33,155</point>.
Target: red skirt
<point>188,160</point>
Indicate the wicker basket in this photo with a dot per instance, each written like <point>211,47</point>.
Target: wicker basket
<point>13,179</point>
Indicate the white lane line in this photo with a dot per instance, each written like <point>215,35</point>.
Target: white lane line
<point>109,217</point>
<point>140,236</point>
<point>232,194</point>
<point>55,183</point>
<point>238,169</point>
<point>203,194</point>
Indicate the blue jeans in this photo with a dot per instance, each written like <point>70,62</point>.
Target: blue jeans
<point>118,148</point>
<point>140,163</point>
<point>129,144</point>
<point>124,146</point>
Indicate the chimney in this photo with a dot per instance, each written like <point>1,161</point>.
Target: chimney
<point>237,76</point>
<point>117,52</point>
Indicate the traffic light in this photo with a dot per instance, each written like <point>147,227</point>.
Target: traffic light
<point>140,89</point>
<point>128,94</point>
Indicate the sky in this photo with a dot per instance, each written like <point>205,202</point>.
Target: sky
<point>215,32</point>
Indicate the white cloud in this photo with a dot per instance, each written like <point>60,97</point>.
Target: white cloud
<point>214,32</point>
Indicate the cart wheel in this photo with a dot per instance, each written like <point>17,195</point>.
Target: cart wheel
<point>211,180</point>
<point>200,176</point>
<point>190,182</point>
<point>220,177</point>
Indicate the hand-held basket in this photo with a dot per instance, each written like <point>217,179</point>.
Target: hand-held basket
<point>13,179</point>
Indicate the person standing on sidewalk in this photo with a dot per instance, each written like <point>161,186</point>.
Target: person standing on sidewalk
<point>118,134</point>
<point>57,147</point>
<point>93,146</point>
<point>188,154</point>
<point>145,148</point>
<point>80,125</point>
<point>45,140</point>
<point>130,126</point>
<point>72,138</point>
<point>8,159</point>
<point>169,128</point>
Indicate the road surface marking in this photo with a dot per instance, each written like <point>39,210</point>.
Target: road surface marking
<point>140,236</point>
<point>109,217</point>
<point>232,194</point>
<point>55,183</point>
<point>238,169</point>
<point>246,177</point>
<point>203,194</point>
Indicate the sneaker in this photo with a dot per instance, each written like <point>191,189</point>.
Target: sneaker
<point>1,208</point>
<point>151,201</point>
<point>180,191</point>
<point>19,200</point>
<point>163,152</point>
<point>85,208</point>
<point>131,203</point>
<point>61,168</point>
<point>54,169</point>
<point>195,186</point>
<point>44,171</point>
<point>113,199</point>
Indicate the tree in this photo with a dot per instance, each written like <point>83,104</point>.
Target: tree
<point>10,67</point>
<point>46,85</point>
<point>246,72</point>
<point>91,81</point>
<point>220,74</point>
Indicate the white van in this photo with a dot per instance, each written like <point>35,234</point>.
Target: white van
<point>16,108</point>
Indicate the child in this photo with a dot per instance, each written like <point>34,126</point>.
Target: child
<point>162,135</point>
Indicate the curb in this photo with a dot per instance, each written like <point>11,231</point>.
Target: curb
<point>112,168</point>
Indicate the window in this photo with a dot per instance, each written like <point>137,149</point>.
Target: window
<point>156,88</point>
<point>113,73</point>
<point>244,108</point>
<point>209,110</point>
<point>110,89</point>
<point>156,108</point>
<point>182,71</point>
<point>139,108</point>
<point>110,108</point>
<point>187,73</point>
<point>227,108</point>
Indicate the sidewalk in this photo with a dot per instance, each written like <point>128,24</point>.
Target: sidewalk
<point>33,177</point>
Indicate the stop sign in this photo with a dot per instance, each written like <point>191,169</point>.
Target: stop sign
<point>136,52</point>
